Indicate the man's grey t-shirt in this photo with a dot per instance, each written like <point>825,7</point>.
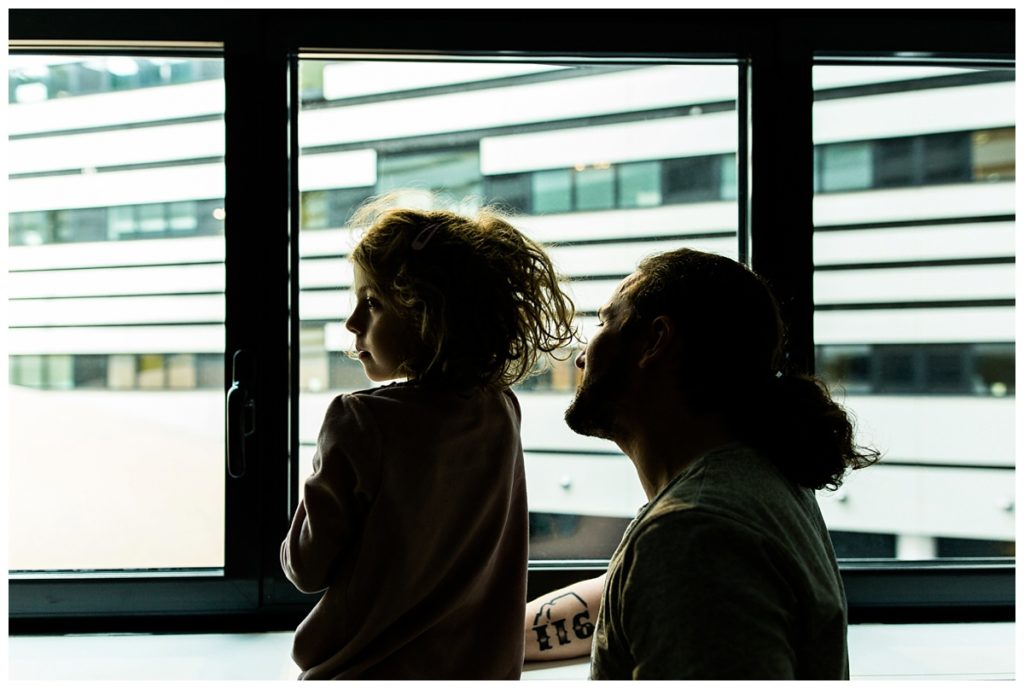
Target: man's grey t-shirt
<point>728,573</point>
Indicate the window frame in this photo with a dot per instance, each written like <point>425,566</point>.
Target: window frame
<point>775,50</point>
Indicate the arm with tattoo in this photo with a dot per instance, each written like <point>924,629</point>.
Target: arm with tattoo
<point>560,624</point>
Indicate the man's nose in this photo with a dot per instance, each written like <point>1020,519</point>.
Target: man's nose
<point>580,362</point>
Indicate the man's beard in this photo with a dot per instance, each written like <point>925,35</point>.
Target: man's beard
<point>594,410</point>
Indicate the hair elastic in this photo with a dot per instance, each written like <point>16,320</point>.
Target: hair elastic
<point>424,236</point>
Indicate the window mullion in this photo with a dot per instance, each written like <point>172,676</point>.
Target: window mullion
<point>256,228</point>
<point>781,183</point>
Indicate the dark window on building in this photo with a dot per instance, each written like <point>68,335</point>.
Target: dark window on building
<point>62,80</point>
<point>844,167</point>
<point>639,184</point>
<point>729,189</point>
<point>209,69</point>
<point>688,180</point>
<point>176,219</point>
<point>60,371</point>
<point>551,191</point>
<point>91,80</point>
<point>852,544</point>
<point>342,203</point>
<point>946,369</point>
<point>624,185</point>
<point>97,76</point>
<point>90,371</point>
<point>595,188</point>
<point>181,72</point>
<point>28,229</point>
<point>947,158</point>
<point>151,370</point>
<point>848,367</point>
<point>183,217</point>
<point>210,216</point>
<point>181,371</point>
<point>26,370</point>
<point>993,155</point>
<point>210,371</point>
<point>995,369</point>
<point>313,210</point>
<point>86,225</point>
<point>452,171</point>
<point>893,163</point>
<point>973,547</point>
<point>512,192</point>
<point>934,369</point>
<point>343,373</point>
<point>573,536</point>
<point>63,229</point>
<point>149,74</point>
<point>897,370</point>
<point>931,159</point>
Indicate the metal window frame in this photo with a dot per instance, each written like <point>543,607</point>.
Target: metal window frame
<point>775,50</point>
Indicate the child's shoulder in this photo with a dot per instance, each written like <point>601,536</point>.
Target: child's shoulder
<point>386,398</point>
<point>370,398</point>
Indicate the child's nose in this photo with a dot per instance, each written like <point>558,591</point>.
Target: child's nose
<point>351,326</point>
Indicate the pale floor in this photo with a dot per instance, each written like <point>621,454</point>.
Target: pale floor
<point>965,652</point>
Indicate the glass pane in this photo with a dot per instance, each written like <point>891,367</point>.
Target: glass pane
<point>551,191</point>
<point>640,185</point>
<point>947,158</point>
<point>448,171</point>
<point>116,313</point>
<point>513,190</point>
<point>894,164</point>
<point>914,304</point>
<point>595,188</point>
<point>574,154</point>
<point>183,217</point>
<point>688,180</point>
<point>845,167</point>
<point>992,154</point>
<point>313,210</point>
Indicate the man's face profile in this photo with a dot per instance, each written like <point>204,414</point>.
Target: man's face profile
<point>606,371</point>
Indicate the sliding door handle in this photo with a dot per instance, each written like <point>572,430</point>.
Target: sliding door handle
<point>240,414</point>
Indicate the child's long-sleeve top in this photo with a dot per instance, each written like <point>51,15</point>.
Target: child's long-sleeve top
<point>415,522</point>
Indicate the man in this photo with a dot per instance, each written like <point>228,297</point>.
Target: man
<point>727,572</point>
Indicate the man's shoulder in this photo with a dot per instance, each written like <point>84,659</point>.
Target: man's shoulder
<point>733,487</point>
<point>732,477</point>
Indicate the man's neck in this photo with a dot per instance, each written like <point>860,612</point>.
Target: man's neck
<point>665,442</point>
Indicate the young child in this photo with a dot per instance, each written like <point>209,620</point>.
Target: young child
<point>415,518</point>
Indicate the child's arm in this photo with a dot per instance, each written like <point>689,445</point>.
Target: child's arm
<point>333,497</point>
<point>318,533</point>
<point>560,624</point>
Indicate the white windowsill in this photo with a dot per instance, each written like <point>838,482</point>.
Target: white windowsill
<point>935,651</point>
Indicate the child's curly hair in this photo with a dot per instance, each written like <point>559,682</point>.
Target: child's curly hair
<point>484,298</point>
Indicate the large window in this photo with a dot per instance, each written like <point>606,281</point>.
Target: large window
<point>116,347</point>
<point>179,183</point>
<point>602,163</point>
<point>914,295</point>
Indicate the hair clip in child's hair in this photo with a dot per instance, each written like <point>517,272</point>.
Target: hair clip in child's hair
<point>424,236</point>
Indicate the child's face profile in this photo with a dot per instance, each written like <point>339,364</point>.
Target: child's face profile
<point>382,337</point>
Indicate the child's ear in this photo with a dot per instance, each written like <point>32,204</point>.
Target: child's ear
<point>658,339</point>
